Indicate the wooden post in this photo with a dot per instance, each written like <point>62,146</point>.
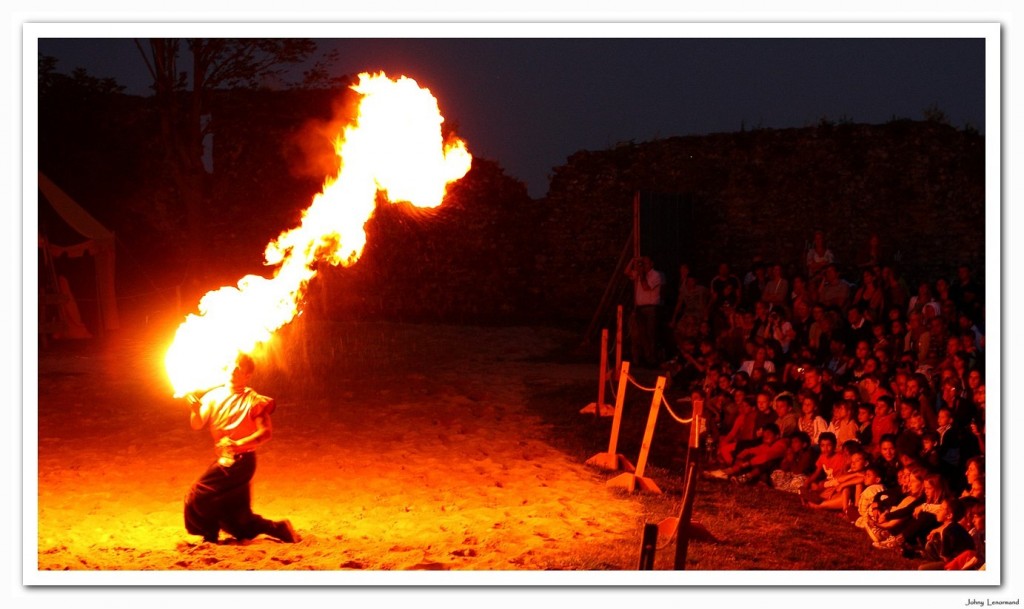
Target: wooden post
<point>600,408</point>
<point>648,547</point>
<point>611,460</point>
<point>669,526</point>
<point>618,337</point>
<point>629,481</point>
<point>693,453</point>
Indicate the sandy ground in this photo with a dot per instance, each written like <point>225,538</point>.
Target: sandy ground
<point>396,447</point>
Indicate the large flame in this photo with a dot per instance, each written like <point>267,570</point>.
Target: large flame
<point>394,146</point>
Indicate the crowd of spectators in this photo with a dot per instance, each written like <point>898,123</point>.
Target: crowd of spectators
<point>841,383</point>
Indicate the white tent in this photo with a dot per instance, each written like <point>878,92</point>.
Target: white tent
<point>95,240</point>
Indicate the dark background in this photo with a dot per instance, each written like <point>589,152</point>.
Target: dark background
<point>494,253</point>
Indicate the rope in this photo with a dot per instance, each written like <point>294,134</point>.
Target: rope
<point>638,385</point>
<point>673,414</point>
<point>663,401</point>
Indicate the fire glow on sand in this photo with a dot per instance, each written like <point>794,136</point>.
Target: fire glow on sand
<point>394,146</point>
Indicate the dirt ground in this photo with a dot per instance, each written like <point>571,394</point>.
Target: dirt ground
<point>396,447</point>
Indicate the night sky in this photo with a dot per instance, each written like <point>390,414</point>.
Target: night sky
<point>529,103</point>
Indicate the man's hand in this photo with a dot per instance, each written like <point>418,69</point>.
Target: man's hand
<point>227,445</point>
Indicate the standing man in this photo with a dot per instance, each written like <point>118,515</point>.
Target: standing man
<point>643,331</point>
<point>239,420</point>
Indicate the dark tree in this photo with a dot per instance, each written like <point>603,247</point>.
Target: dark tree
<point>183,99</point>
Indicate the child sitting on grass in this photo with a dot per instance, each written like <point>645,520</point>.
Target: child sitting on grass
<point>829,463</point>
<point>892,512</point>
<point>947,541</point>
<point>751,464</point>
<point>884,423</point>
<point>974,558</point>
<point>743,430</point>
<point>796,465</point>
<point>848,484</point>
<point>872,487</point>
<point>929,456</point>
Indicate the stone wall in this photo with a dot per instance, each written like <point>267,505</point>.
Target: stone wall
<point>918,185</point>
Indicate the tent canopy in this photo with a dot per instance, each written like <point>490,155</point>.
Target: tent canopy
<point>87,236</point>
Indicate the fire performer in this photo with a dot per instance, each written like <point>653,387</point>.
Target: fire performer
<point>239,420</point>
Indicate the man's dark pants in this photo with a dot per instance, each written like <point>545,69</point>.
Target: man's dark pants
<point>220,499</point>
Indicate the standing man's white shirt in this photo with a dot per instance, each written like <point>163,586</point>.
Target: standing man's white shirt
<point>650,295</point>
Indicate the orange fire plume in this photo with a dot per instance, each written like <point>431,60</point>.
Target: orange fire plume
<point>394,146</point>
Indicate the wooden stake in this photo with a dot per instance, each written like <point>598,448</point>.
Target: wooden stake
<point>599,408</point>
<point>611,460</point>
<point>648,547</point>
<point>618,337</point>
<point>629,481</point>
<point>693,452</point>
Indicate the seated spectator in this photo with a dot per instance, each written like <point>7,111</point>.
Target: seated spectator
<point>754,282</point>
<point>924,296</point>
<point>754,463</point>
<point>839,362</point>
<point>865,416</point>
<point>741,381</point>
<point>694,366</point>
<point>818,257</point>
<point>691,305</point>
<point>760,360</point>
<point>948,447</point>
<point>947,541</point>
<point>776,289</point>
<point>872,487</point>
<point>975,558</point>
<point>919,390</point>
<point>842,425</point>
<point>758,379</point>
<point>911,537</point>
<point>884,422</point>
<point>743,430</point>
<point>887,462</point>
<point>954,399</point>
<point>796,465</point>
<point>830,463</point>
<point>725,291</point>
<point>974,380</point>
<point>858,337</point>
<point>895,289</point>
<point>779,330</point>
<point>720,402</point>
<point>881,341</point>
<point>870,296</point>
<point>833,291</point>
<point>895,512</point>
<point>810,421</point>
<point>786,418</point>
<point>885,366</point>
<point>870,387</point>
<point>802,292</point>
<point>975,479</point>
<point>842,495</point>
<point>908,441</point>
<point>929,456</point>
<point>765,413</point>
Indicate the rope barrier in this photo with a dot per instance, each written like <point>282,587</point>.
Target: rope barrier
<point>673,414</point>
<point>638,385</point>
<point>664,402</point>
